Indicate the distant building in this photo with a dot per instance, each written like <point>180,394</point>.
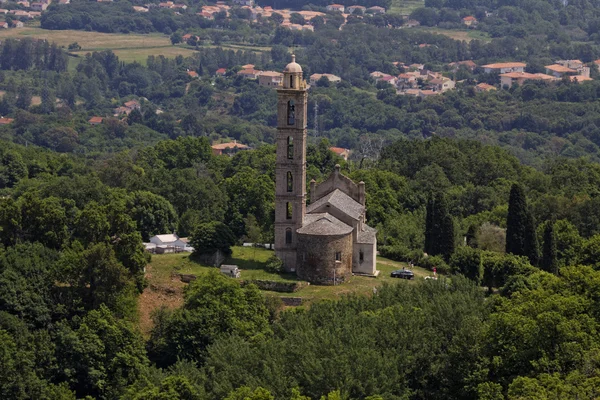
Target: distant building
<point>519,78</point>
<point>484,87</point>
<point>192,74</point>
<point>249,73</point>
<point>469,64</point>
<point>353,9</point>
<point>5,121</point>
<point>469,20</point>
<point>442,84</point>
<point>503,68</point>
<point>221,72</point>
<point>336,7</point>
<point>39,6</point>
<point>559,71</point>
<point>270,79</point>
<point>412,23</point>
<point>228,148</point>
<point>95,120</point>
<point>376,10</point>
<point>314,78</point>
<point>344,153</point>
<point>168,243</point>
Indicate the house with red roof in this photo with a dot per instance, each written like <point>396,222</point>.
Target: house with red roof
<point>221,72</point>
<point>340,151</point>
<point>469,20</point>
<point>336,7</point>
<point>95,120</point>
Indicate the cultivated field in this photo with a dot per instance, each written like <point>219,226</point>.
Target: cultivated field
<point>466,35</point>
<point>128,47</point>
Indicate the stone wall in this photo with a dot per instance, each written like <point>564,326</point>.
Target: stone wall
<point>292,301</point>
<point>275,286</point>
<point>317,263</point>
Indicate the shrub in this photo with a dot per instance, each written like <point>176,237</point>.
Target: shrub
<point>434,261</point>
<point>274,265</point>
<point>396,252</point>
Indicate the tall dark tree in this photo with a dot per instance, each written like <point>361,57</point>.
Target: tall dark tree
<point>549,254</point>
<point>439,228</point>
<point>521,239</point>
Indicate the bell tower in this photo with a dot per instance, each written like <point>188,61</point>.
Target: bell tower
<point>290,169</point>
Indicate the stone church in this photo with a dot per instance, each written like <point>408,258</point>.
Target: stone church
<point>328,240</point>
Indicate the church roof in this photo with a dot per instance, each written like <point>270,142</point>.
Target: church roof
<point>367,235</point>
<point>341,201</point>
<point>324,224</point>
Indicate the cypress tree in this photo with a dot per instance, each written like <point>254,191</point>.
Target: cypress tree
<point>429,218</point>
<point>549,258</point>
<point>521,239</point>
<point>439,228</point>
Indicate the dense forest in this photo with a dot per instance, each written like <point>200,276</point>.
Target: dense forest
<point>72,258</point>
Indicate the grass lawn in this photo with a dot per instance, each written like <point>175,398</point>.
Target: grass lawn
<point>251,262</point>
<point>166,289</point>
<point>128,47</point>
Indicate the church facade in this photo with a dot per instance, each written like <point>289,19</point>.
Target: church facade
<point>328,240</point>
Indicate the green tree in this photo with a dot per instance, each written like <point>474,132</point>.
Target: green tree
<point>152,213</point>
<point>24,97</point>
<point>211,237</point>
<point>467,261</point>
<point>214,306</point>
<point>521,238</point>
<point>549,260</point>
<point>439,227</point>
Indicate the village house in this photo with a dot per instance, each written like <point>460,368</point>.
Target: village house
<point>559,71</point>
<point>6,121</point>
<point>336,7</point>
<point>3,11</point>
<point>376,10</point>
<point>221,72</point>
<point>412,23</point>
<point>4,25</point>
<point>189,36</point>
<point>127,108</point>
<point>248,3</point>
<point>407,80</point>
<point>95,120</point>
<point>228,148</point>
<point>249,73</point>
<point>510,78</point>
<point>192,74</point>
<point>484,87</point>
<point>64,1</point>
<point>270,79</point>
<point>23,3</point>
<point>468,64</point>
<point>469,20</point>
<point>340,151</point>
<point>248,66</point>
<point>140,9</point>
<point>580,78</point>
<point>314,78</point>
<point>442,84</point>
<point>167,243</point>
<point>39,6</point>
<point>503,68</point>
<point>427,93</point>
<point>17,24</point>
<point>353,9</point>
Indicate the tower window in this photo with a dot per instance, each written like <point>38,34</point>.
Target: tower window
<point>291,113</point>
<point>288,210</point>
<point>338,256</point>
<point>288,236</point>
<point>361,256</point>
<point>290,148</point>
<point>291,81</point>
<point>290,182</point>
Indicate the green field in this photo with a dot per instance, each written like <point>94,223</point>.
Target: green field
<point>466,34</point>
<point>405,7</point>
<point>128,47</point>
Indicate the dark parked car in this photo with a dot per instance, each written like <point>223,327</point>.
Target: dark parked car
<point>403,273</point>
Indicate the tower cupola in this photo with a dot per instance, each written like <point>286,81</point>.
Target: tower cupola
<point>292,76</point>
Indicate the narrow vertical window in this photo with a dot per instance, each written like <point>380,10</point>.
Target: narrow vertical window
<point>291,81</point>
<point>338,256</point>
<point>290,148</point>
<point>288,210</point>
<point>291,113</point>
<point>288,236</point>
<point>290,182</point>
<point>361,256</point>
